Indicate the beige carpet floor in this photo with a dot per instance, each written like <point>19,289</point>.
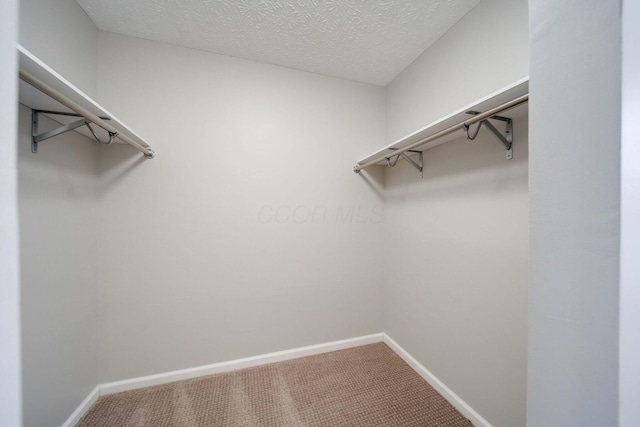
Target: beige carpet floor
<point>362,386</point>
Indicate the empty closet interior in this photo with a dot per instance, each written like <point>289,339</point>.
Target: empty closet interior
<point>181,208</point>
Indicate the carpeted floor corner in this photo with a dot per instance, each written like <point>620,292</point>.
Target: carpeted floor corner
<point>362,386</point>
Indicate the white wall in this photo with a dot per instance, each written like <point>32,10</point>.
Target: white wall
<point>10,379</point>
<point>483,52</point>
<point>57,200</point>
<point>218,180</point>
<point>575,212</point>
<point>193,266</point>
<point>457,240</point>
<point>630,225</point>
<point>61,34</point>
<point>57,206</point>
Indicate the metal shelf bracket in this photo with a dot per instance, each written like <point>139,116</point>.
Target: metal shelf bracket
<point>419,165</point>
<point>506,140</point>
<point>37,138</point>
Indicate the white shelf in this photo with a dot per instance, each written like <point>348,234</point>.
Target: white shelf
<point>514,90</point>
<point>37,100</point>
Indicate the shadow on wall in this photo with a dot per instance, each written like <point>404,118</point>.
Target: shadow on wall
<point>120,162</point>
<point>65,166</point>
<point>57,152</point>
<point>374,178</point>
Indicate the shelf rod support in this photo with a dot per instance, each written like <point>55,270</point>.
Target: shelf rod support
<point>455,128</point>
<point>37,138</point>
<point>83,112</point>
<point>506,140</point>
<point>418,165</point>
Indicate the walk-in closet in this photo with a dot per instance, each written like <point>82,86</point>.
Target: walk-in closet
<point>319,213</point>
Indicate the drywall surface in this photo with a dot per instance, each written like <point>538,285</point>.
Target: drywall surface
<point>57,191</point>
<point>630,223</point>
<point>248,233</point>
<point>575,212</point>
<point>485,51</point>
<point>456,247</point>
<point>10,385</point>
<point>456,241</point>
<point>57,207</point>
<point>61,34</point>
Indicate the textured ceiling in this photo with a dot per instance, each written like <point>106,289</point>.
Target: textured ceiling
<point>366,40</point>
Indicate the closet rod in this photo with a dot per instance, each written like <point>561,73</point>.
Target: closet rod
<point>53,93</point>
<point>475,119</point>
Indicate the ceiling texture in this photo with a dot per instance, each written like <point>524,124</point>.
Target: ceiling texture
<point>366,40</point>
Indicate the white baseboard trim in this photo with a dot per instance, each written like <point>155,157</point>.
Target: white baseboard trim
<point>83,408</point>
<point>232,365</point>
<point>440,387</point>
<point>279,356</point>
